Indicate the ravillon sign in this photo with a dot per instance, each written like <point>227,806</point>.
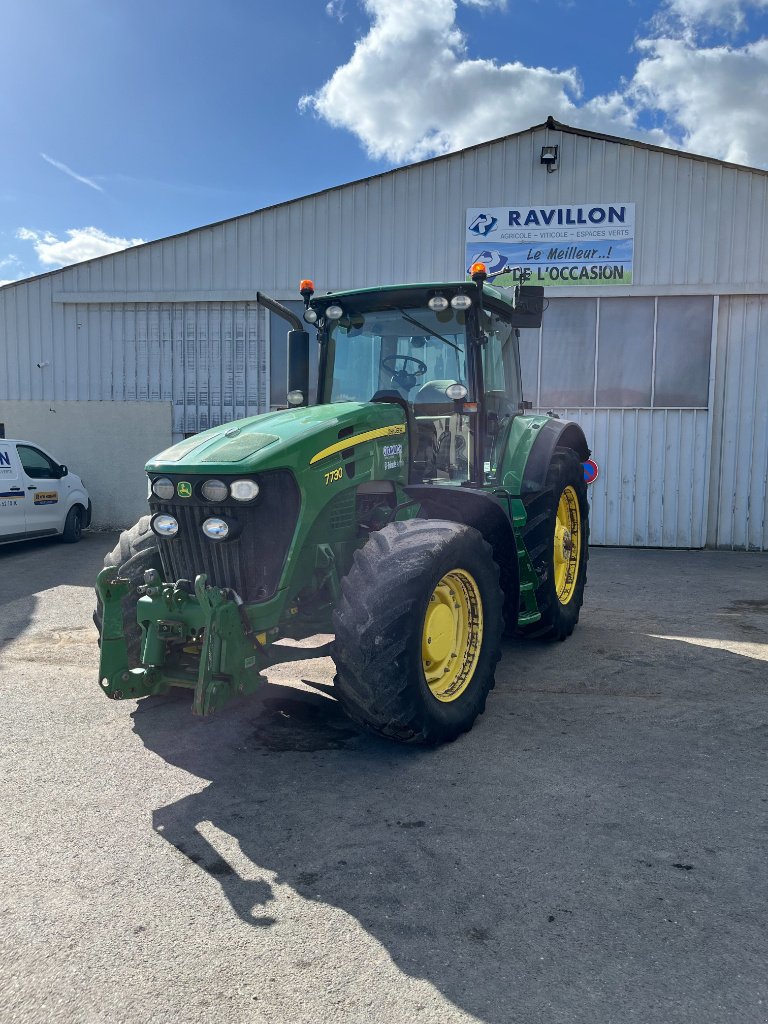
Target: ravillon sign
<point>566,246</point>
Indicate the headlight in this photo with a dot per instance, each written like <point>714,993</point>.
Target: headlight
<point>456,392</point>
<point>310,315</point>
<point>334,312</point>
<point>244,490</point>
<point>216,529</point>
<point>438,303</point>
<point>461,302</point>
<point>164,488</point>
<point>214,490</point>
<point>164,525</point>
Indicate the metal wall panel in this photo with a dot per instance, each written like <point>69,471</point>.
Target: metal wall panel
<point>738,509</point>
<point>651,491</point>
<point>209,359</point>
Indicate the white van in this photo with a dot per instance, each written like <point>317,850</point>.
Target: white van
<point>38,496</point>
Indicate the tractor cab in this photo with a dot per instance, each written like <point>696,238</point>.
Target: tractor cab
<point>446,353</point>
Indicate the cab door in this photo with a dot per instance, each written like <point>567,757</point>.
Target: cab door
<point>501,386</point>
<point>13,494</point>
<point>42,482</point>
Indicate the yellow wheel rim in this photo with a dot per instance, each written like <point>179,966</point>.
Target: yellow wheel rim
<point>567,545</point>
<point>452,635</point>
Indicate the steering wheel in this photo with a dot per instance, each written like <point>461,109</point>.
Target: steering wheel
<point>403,377</point>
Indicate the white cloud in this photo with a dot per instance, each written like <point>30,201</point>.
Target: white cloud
<point>722,13</point>
<point>410,90</point>
<point>336,9</point>
<point>73,174</point>
<point>12,262</point>
<point>81,244</point>
<point>716,96</point>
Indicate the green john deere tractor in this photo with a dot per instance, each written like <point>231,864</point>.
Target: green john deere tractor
<point>416,511</point>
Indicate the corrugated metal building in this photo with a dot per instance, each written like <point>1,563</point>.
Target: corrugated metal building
<point>668,374</point>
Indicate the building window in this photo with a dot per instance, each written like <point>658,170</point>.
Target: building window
<point>568,353</point>
<point>625,353</point>
<point>647,353</point>
<point>683,340</point>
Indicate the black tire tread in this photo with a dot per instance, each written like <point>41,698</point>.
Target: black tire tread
<point>135,552</point>
<point>374,626</point>
<point>557,622</point>
<point>69,535</point>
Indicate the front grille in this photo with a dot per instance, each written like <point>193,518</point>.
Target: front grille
<point>252,562</point>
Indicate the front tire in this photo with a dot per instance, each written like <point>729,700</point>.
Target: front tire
<point>418,631</point>
<point>135,552</point>
<point>73,525</point>
<point>557,538</point>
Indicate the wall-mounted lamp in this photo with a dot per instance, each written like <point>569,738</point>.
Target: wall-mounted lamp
<point>549,157</point>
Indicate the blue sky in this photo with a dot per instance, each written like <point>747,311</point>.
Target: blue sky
<point>125,121</point>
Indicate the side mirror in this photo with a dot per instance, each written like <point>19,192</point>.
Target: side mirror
<point>298,363</point>
<point>63,471</point>
<point>529,306</point>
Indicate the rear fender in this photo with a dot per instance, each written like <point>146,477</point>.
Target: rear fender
<point>531,442</point>
<point>554,434</point>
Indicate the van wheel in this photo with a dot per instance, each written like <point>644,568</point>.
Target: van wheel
<point>73,527</point>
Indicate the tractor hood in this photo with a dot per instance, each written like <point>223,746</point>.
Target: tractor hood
<point>291,437</point>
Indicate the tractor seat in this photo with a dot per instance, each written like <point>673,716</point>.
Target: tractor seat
<point>431,400</point>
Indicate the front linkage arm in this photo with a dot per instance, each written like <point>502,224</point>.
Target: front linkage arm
<point>207,624</point>
<point>212,624</point>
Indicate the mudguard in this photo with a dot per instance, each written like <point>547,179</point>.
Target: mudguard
<point>528,448</point>
<point>552,434</point>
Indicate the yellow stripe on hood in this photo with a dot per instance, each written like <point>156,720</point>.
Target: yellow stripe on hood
<point>348,442</point>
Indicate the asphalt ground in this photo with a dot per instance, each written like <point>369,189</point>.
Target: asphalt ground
<point>594,850</point>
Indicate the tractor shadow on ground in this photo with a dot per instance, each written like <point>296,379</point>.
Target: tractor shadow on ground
<point>382,831</point>
<point>540,861</point>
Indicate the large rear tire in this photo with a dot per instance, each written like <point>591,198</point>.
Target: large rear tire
<point>557,538</point>
<point>418,631</point>
<point>135,552</point>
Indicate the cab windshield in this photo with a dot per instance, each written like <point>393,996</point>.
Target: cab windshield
<point>414,354</point>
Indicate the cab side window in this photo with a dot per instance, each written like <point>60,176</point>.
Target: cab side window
<point>36,465</point>
<point>500,372</point>
<point>501,382</point>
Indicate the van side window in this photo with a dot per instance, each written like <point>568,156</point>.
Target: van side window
<point>36,465</point>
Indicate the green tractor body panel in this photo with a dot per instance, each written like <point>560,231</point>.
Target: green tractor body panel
<point>321,457</point>
<point>328,476</point>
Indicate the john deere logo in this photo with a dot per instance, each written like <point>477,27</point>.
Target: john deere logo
<point>184,489</point>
